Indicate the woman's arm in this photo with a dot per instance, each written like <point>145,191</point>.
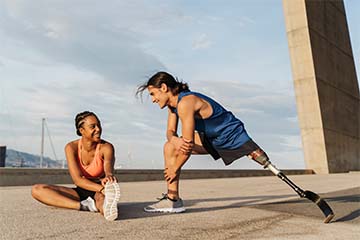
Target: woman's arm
<point>74,170</point>
<point>109,161</point>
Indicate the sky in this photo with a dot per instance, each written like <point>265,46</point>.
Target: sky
<point>59,58</point>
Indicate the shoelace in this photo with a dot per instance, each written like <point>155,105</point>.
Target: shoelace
<point>163,197</point>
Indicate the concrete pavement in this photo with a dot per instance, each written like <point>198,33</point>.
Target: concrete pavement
<point>227,208</point>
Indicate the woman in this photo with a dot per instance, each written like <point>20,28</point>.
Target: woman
<point>207,128</point>
<point>91,165</point>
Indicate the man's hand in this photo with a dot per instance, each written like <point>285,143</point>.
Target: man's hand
<point>171,174</point>
<point>182,145</point>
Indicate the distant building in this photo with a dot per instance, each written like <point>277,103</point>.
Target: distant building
<point>2,156</point>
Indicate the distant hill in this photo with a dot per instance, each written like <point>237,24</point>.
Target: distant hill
<point>22,159</point>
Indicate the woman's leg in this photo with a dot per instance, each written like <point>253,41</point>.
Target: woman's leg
<point>170,156</point>
<point>99,201</point>
<point>57,196</point>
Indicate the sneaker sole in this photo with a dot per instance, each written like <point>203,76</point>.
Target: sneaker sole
<point>112,197</point>
<point>166,210</point>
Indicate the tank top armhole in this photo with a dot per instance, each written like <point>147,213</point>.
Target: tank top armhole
<point>97,152</point>
<point>79,151</point>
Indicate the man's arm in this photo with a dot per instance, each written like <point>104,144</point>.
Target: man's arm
<point>186,111</point>
<point>172,125</point>
<point>171,134</point>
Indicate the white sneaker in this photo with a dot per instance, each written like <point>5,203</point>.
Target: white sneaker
<point>88,205</point>
<point>165,205</point>
<point>112,197</point>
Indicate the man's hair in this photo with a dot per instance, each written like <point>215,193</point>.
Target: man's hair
<point>159,78</point>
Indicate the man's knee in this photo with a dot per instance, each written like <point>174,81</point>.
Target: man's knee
<point>169,148</point>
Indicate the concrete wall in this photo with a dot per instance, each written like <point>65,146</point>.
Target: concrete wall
<point>30,176</point>
<point>326,86</point>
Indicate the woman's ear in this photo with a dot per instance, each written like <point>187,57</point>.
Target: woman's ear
<point>81,130</point>
<point>164,87</point>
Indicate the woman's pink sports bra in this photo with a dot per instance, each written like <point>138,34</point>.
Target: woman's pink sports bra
<point>96,168</point>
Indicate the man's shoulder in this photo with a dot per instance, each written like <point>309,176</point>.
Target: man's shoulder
<point>190,103</point>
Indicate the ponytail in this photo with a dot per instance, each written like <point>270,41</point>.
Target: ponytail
<point>180,87</point>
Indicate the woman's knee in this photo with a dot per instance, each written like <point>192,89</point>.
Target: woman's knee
<point>37,189</point>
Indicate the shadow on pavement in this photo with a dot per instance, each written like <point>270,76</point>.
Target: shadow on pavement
<point>345,204</point>
<point>135,210</point>
<point>351,216</point>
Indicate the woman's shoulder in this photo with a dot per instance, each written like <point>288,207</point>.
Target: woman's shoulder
<point>106,145</point>
<point>106,148</point>
<point>72,145</point>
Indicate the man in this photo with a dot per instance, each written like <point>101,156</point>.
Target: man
<point>207,128</point>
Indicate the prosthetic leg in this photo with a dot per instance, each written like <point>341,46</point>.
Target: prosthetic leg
<point>260,157</point>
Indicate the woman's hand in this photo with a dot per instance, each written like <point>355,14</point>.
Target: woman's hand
<point>108,178</point>
<point>182,145</point>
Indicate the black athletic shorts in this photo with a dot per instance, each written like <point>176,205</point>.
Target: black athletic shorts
<point>83,193</point>
<point>228,155</point>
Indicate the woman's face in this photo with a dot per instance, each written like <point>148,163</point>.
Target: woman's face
<point>91,128</point>
<point>159,95</point>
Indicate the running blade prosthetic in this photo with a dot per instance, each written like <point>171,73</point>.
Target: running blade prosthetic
<point>325,208</point>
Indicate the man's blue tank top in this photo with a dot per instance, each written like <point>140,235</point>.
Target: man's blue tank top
<point>222,128</point>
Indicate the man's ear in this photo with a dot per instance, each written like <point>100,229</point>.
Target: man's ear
<point>164,87</point>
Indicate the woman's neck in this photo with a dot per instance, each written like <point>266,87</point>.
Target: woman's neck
<point>88,145</point>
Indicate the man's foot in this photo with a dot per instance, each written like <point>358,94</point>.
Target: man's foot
<point>166,205</point>
<point>88,205</point>
<point>112,197</point>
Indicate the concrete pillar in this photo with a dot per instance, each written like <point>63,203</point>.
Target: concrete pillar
<point>2,156</point>
<point>326,85</point>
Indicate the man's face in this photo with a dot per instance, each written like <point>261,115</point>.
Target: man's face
<point>159,95</point>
